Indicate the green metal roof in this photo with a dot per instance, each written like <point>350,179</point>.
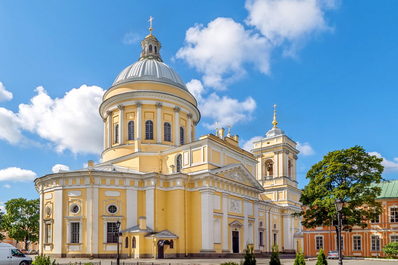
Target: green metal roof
<point>389,189</point>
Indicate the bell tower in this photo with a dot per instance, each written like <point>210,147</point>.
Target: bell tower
<point>276,154</point>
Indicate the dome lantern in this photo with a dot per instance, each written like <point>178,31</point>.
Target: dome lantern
<point>150,45</point>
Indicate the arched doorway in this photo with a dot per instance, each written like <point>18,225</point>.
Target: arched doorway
<point>161,244</point>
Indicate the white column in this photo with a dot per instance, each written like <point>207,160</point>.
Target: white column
<point>131,208</point>
<point>150,207</point>
<point>256,228</point>
<point>89,222</point>
<point>94,227</point>
<point>246,223</point>
<point>177,125</point>
<point>287,237</point>
<point>41,230</point>
<point>121,123</point>
<point>139,122</point>
<point>105,139</point>
<point>189,129</point>
<point>159,123</point>
<point>207,221</point>
<point>225,222</point>
<point>109,113</point>
<point>58,219</point>
<point>267,231</point>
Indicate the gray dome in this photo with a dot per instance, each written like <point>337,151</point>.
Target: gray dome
<point>150,69</point>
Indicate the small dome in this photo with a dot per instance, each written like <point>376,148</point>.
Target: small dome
<point>148,69</point>
<point>275,131</point>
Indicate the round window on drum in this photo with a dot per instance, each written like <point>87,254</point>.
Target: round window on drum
<point>112,209</point>
<point>75,208</point>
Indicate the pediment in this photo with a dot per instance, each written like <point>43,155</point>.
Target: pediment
<point>237,172</point>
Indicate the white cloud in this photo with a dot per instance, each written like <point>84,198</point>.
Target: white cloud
<point>305,149</point>
<point>2,207</point>
<point>389,165</point>
<point>226,111</point>
<point>248,145</point>
<point>71,122</point>
<point>7,186</point>
<point>5,95</point>
<point>220,49</point>
<point>130,38</point>
<point>59,168</point>
<point>196,88</point>
<point>16,174</point>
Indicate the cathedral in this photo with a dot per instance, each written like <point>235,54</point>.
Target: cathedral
<point>170,193</point>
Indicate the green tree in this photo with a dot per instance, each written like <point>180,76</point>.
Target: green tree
<point>349,175</point>
<point>321,258</point>
<point>391,250</point>
<point>1,226</point>
<point>275,256</point>
<point>21,220</point>
<point>299,260</point>
<point>250,259</point>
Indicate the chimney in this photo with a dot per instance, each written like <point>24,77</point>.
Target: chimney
<point>142,223</point>
<point>90,163</point>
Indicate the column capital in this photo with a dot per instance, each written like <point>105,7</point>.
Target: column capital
<point>108,112</point>
<point>159,105</point>
<point>177,109</point>
<point>138,104</point>
<point>120,107</point>
<point>104,119</point>
<point>189,115</point>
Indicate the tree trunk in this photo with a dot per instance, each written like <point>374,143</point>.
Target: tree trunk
<point>26,243</point>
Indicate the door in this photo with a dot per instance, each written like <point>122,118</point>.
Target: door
<point>235,241</point>
<point>161,249</point>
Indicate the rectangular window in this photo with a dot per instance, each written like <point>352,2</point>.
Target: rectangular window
<point>394,238</point>
<point>375,220</point>
<point>111,232</point>
<point>375,243</point>
<point>394,215</point>
<point>357,243</point>
<point>74,232</point>
<point>319,242</point>
<point>261,239</point>
<point>48,233</point>
<point>275,240</point>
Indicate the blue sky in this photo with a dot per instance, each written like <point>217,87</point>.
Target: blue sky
<point>330,66</point>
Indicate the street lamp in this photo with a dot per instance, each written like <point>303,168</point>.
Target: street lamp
<point>117,236</point>
<point>339,207</point>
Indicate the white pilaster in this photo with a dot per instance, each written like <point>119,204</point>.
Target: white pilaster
<point>121,123</point>
<point>131,207</point>
<point>41,235</point>
<point>138,126</point>
<point>177,126</point>
<point>256,228</point>
<point>58,219</point>
<point>159,123</point>
<point>94,227</point>
<point>207,220</point>
<point>150,207</point>
<point>189,132</point>
<point>225,222</point>
<point>89,222</point>
<point>246,223</point>
<point>105,139</point>
<point>267,242</point>
<point>109,118</point>
<point>287,237</point>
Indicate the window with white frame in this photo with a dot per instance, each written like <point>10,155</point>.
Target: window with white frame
<point>319,242</point>
<point>111,230</point>
<point>261,237</point>
<point>393,238</point>
<point>375,243</point>
<point>394,214</point>
<point>357,243</point>
<point>130,130</point>
<point>375,220</point>
<point>75,232</point>
<point>48,233</point>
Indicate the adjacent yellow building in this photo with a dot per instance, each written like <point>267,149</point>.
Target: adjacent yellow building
<point>175,195</point>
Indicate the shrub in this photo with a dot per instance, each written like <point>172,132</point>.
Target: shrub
<point>299,259</point>
<point>229,263</point>
<point>43,260</point>
<point>391,250</point>
<point>275,256</point>
<point>250,259</point>
<point>321,258</point>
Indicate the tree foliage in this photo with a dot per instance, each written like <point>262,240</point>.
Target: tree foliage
<point>299,260</point>
<point>43,260</point>
<point>21,220</point>
<point>349,175</point>
<point>391,250</point>
<point>321,260</point>
<point>275,256</point>
<point>1,226</point>
<point>250,259</point>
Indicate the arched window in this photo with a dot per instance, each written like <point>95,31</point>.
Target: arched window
<point>116,134</point>
<point>156,49</point>
<point>130,130</point>
<point>149,130</point>
<point>133,243</point>
<point>167,131</point>
<point>289,168</point>
<point>182,136</point>
<point>171,243</point>
<point>269,168</point>
<point>126,245</point>
<point>179,163</point>
<point>150,48</point>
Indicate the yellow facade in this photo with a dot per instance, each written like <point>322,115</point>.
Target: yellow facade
<point>174,195</point>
